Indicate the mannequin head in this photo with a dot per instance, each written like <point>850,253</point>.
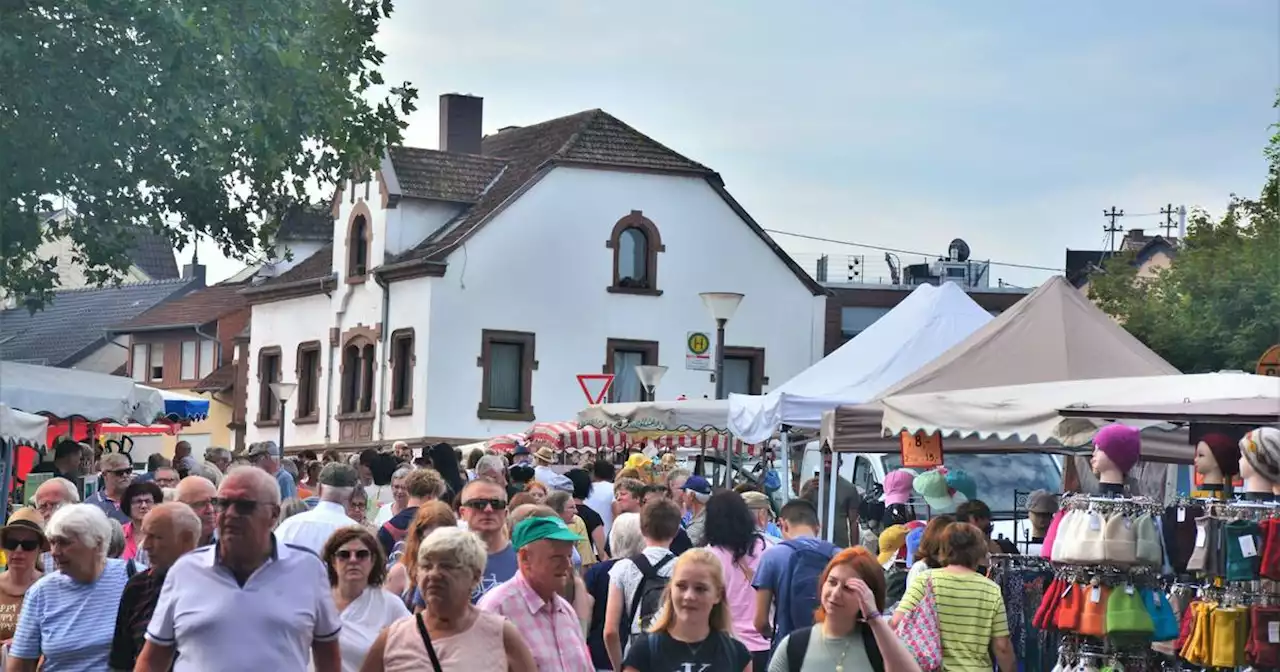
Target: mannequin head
<point>1116,448</point>
<point>1260,459</point>
<point>1218,458</point>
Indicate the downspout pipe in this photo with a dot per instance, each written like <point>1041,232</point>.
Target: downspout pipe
<point>382,353</point>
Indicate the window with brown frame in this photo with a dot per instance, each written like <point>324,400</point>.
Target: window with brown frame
<point>744,370</point>
<point>308,394</point>
<point>508,363</point>
<point>621,358</point>
<point>635,242</point>
<point>359,365</point>
<point>268,372</point>
<point>402,360</point>
<point>358,249</point>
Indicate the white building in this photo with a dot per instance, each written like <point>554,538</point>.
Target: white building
<point>465,288</point>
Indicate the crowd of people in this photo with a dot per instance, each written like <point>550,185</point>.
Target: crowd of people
<point>404,560</point>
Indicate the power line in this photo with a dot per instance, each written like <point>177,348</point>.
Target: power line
<point>1112,229</point>
<point>900,251</point>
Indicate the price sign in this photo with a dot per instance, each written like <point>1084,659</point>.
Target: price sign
<point>920,450</point>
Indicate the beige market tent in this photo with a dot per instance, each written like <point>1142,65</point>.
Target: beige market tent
<point>1053,334</point>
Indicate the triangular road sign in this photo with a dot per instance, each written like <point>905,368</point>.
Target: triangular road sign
<point>595,386</point>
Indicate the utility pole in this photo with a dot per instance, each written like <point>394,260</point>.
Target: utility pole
<point>1111,229</point>
<point>1169,225</point>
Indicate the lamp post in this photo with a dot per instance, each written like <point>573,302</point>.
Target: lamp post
<point>283,392</point>
<point>721,306</point>
<point>650,375</point>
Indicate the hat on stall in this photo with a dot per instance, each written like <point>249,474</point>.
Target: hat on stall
<point>538,528</point>
<point>1261,448</point>
<point>26,518</point>
<point>960,481</point>
<point>913,542</point>
<point>897,486</point>
<point>1225,450</point>
<point>1121,444</point>
<point>1042,501</point>
<point>932,486</point>
<point>339,475</point>
<point>892,540</point>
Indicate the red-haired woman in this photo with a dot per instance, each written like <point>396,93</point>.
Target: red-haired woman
<point>850,632</point>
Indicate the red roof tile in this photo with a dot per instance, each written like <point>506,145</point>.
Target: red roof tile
<point>194,309</point>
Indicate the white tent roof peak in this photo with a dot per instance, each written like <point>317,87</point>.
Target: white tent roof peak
<point>1054,333</point>
<point>922,326</point>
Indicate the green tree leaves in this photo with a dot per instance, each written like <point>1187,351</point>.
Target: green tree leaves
<point>184,117</point>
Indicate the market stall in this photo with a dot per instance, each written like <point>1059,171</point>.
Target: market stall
<point>17,427</point>
<point>71,393</point>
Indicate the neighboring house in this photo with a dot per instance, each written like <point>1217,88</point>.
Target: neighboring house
<point>73,330</point>
<point>461,290</point>
<point>152,257</point>
<point>1150,254</point>
<point>188,345</point>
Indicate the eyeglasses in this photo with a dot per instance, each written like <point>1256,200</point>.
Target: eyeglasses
<point>122,472</point>
<point>24,544</point>
<point>482,504</point>
<point>200,505</point>
<point>243,507</point>
<point>143,501</point>
<point>345,555</point>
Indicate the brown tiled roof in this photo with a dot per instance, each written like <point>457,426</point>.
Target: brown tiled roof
<point>593,137</point>
<point>199,307</point>
<point>222,378</point>
<point>442,176</point>
<point>306,222</point>
<point>314,267</point>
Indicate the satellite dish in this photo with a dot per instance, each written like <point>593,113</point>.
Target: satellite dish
<point>958,250</point>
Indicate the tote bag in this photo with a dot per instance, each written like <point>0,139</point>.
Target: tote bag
<point>918,629</point>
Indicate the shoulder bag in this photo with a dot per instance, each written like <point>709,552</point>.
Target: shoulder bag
<point>426,641</point>
<point>918,629</point>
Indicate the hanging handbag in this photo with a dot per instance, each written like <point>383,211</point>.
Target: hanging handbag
<point>426,641</point>
<point>918,630</point>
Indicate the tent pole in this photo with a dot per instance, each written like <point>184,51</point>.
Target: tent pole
<point>830,533</point>
<point>822,489</point>
<point>785,447</point>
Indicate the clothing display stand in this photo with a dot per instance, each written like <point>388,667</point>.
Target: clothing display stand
<point>1228,598</point>
<point>1107,596</point>
<point>1023,580</point>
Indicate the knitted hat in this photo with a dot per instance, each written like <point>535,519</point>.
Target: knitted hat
<point>1121,444</point>
<point>1226,452</point>
<point>897,486</point>
<point>1261,448</point>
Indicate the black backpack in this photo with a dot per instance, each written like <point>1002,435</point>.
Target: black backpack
<point>804,570</point>
<point>798,645</point>
<point>648,598</point>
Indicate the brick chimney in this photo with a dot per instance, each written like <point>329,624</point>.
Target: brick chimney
<point>461,119</point>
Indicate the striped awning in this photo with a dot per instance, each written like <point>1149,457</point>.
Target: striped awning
<point>505,443</point>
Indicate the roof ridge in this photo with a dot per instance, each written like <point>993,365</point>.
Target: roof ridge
<point>546,122</point>
<point>588,117</point>
<point>123,285</point>
<point>485,157</point>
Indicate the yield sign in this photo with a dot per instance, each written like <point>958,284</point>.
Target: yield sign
<point>595,386</point>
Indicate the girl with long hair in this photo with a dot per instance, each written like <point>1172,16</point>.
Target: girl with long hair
<point>850,631</point>
<point>733,539</point>
<point>693,630</point>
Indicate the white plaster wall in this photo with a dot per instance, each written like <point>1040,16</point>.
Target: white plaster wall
<point>107,358</point>
<point>286,324</point>
<point>299,250</point>
<point>412,220</point>
<point>542,266</point>
<point>410,309</point>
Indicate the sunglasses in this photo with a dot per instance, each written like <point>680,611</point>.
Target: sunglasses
<point>345,555</point>
<point>244,507</point>
<point>122,472</point>
<point>482,504</point>
<point>24,544</point>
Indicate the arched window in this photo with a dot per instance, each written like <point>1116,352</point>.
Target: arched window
<point>358,249</point>
<point>635,243</point>
<point>350,378</point>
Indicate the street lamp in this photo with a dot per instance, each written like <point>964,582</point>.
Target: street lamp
<point>722,306</point>
<point>650,375</point>
<point>283,392</point>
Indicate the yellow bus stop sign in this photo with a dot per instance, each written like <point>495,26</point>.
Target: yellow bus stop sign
<point>1269,363</point>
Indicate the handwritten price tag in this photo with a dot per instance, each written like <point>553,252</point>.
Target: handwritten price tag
<point>920,450</point>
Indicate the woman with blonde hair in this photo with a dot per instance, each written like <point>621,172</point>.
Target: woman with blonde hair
<point>693,630</point>
<point>403,560</point>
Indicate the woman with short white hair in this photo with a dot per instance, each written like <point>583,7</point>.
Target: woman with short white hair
<point>462,637</point>
<point>625,541</point>
<point>399,498</point>
<point>68,617</point>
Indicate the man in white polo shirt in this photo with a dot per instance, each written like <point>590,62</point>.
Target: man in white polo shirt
<point>247,602</point>
<point>311,529</point>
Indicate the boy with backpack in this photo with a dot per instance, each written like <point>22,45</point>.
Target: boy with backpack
<point>636,583</point>
<point>786,580</point>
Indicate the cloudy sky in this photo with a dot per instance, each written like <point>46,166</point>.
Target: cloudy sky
<point>1012,125</point>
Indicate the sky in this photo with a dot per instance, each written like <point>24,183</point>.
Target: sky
<point>900,124</point>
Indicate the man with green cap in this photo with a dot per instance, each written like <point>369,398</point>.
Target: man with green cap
<point>531,599</point>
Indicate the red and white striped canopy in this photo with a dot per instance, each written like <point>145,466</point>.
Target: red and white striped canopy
<point>570,436</point>
<point>505,443</point>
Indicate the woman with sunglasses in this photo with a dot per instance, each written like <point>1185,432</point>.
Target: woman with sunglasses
<point>139,498</point>
<point>356,568</point>
<point>22,539</point>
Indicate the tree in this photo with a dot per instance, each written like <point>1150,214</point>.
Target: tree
<point>186,117</point>
<point>1217,306</point>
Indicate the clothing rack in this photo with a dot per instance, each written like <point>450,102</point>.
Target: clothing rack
<point>1134,656</point>
<point>1129,505</point>
<point>1232,596</point>
<point>1019,561</point>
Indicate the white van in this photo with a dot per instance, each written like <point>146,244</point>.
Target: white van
<point>998,475</point>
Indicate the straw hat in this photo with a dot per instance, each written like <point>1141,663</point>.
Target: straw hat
<point>545,455</point>
<point>26,518</point>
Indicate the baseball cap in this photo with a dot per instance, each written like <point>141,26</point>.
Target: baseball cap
<point>697,484</point>
<point>538,528</point>
<point>1042,501</point>
<point>897,486</point>
<point>756,500</point>
<point>262,449</point>
<point>339,475</point>
<point>892,540</point>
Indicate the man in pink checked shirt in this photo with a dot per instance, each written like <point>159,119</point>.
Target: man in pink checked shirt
<point>531,599</point>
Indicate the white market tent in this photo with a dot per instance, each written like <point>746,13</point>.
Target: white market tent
<point>1032,413</point>
<point>692,415</point>
<point>71,393</point>
<point>19,427</point>
<point>919,329</point>
<point>1054,334</point>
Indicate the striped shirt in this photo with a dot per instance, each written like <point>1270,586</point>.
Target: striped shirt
<point>71,624</point>
<point>970,614</point>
